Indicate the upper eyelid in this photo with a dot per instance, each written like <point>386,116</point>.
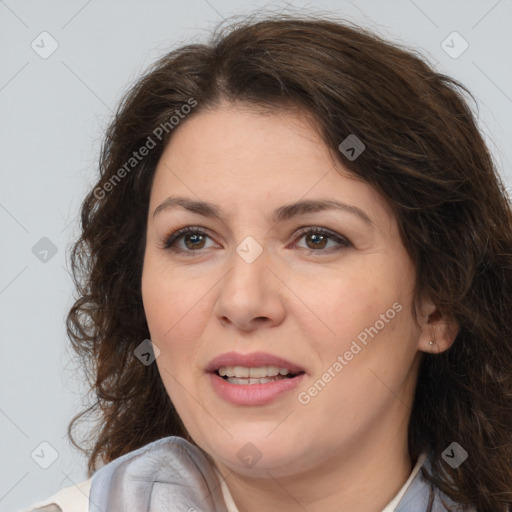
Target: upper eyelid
<point>299,232</point>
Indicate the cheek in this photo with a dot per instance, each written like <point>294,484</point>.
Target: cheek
<point>364,309</point>
<point>160,305</point>
<point>165,294</point>
<point>174,311</point>
<point>343,302</point>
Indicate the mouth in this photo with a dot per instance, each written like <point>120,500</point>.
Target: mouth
<point>253,379</point>
<point>245,375</point>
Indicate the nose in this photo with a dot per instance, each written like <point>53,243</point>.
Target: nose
<point>251,294</point>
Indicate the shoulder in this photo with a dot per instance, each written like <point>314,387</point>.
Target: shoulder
<point>70,499</point>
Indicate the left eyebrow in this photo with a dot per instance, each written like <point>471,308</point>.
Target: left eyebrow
<point>281,214</point>
<point>317,205</point>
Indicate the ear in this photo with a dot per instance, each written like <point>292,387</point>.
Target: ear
<point>438,330</point>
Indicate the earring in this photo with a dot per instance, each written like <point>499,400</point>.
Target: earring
<point>432,341</point>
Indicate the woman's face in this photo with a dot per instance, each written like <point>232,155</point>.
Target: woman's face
<point>258,288</point>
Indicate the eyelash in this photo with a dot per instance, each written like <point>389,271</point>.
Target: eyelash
<point>170,241</point>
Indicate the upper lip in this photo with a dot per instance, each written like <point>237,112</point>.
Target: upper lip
<point>251,360</point>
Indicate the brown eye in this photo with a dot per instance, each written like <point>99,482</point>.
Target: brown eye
<point>317,240</point>
<point>191,241</point>
<point>194,240</point>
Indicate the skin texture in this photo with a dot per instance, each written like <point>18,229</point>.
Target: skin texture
<point>295,301</point>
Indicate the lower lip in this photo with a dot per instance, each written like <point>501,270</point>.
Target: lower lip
<point>253,394</point>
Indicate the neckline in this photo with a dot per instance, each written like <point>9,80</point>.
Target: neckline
<point>390,507</point>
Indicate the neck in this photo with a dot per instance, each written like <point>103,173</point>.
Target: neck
<point>363,478</point>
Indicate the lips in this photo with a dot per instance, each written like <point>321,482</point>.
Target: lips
<point>237,378</point>
<point>252,360</point>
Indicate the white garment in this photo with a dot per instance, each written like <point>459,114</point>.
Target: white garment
<point>76,498</point>
<point>391,506</point>
<point>70,499</point>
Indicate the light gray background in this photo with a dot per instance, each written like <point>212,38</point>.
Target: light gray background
<point>53,113</point>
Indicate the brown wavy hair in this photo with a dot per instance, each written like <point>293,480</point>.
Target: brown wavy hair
<point>426,157</point>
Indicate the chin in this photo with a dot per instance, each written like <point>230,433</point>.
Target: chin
<point>255,454</point>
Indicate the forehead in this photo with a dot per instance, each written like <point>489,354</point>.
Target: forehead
<point>233,154</point>
<point>239,138</point>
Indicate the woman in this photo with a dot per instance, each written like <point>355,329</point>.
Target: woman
<point>295,285</point>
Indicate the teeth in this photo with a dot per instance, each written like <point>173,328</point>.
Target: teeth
<point>264,371</point>
<point>241,371</point>
<point>235,380</point>
<point>254,373</point>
